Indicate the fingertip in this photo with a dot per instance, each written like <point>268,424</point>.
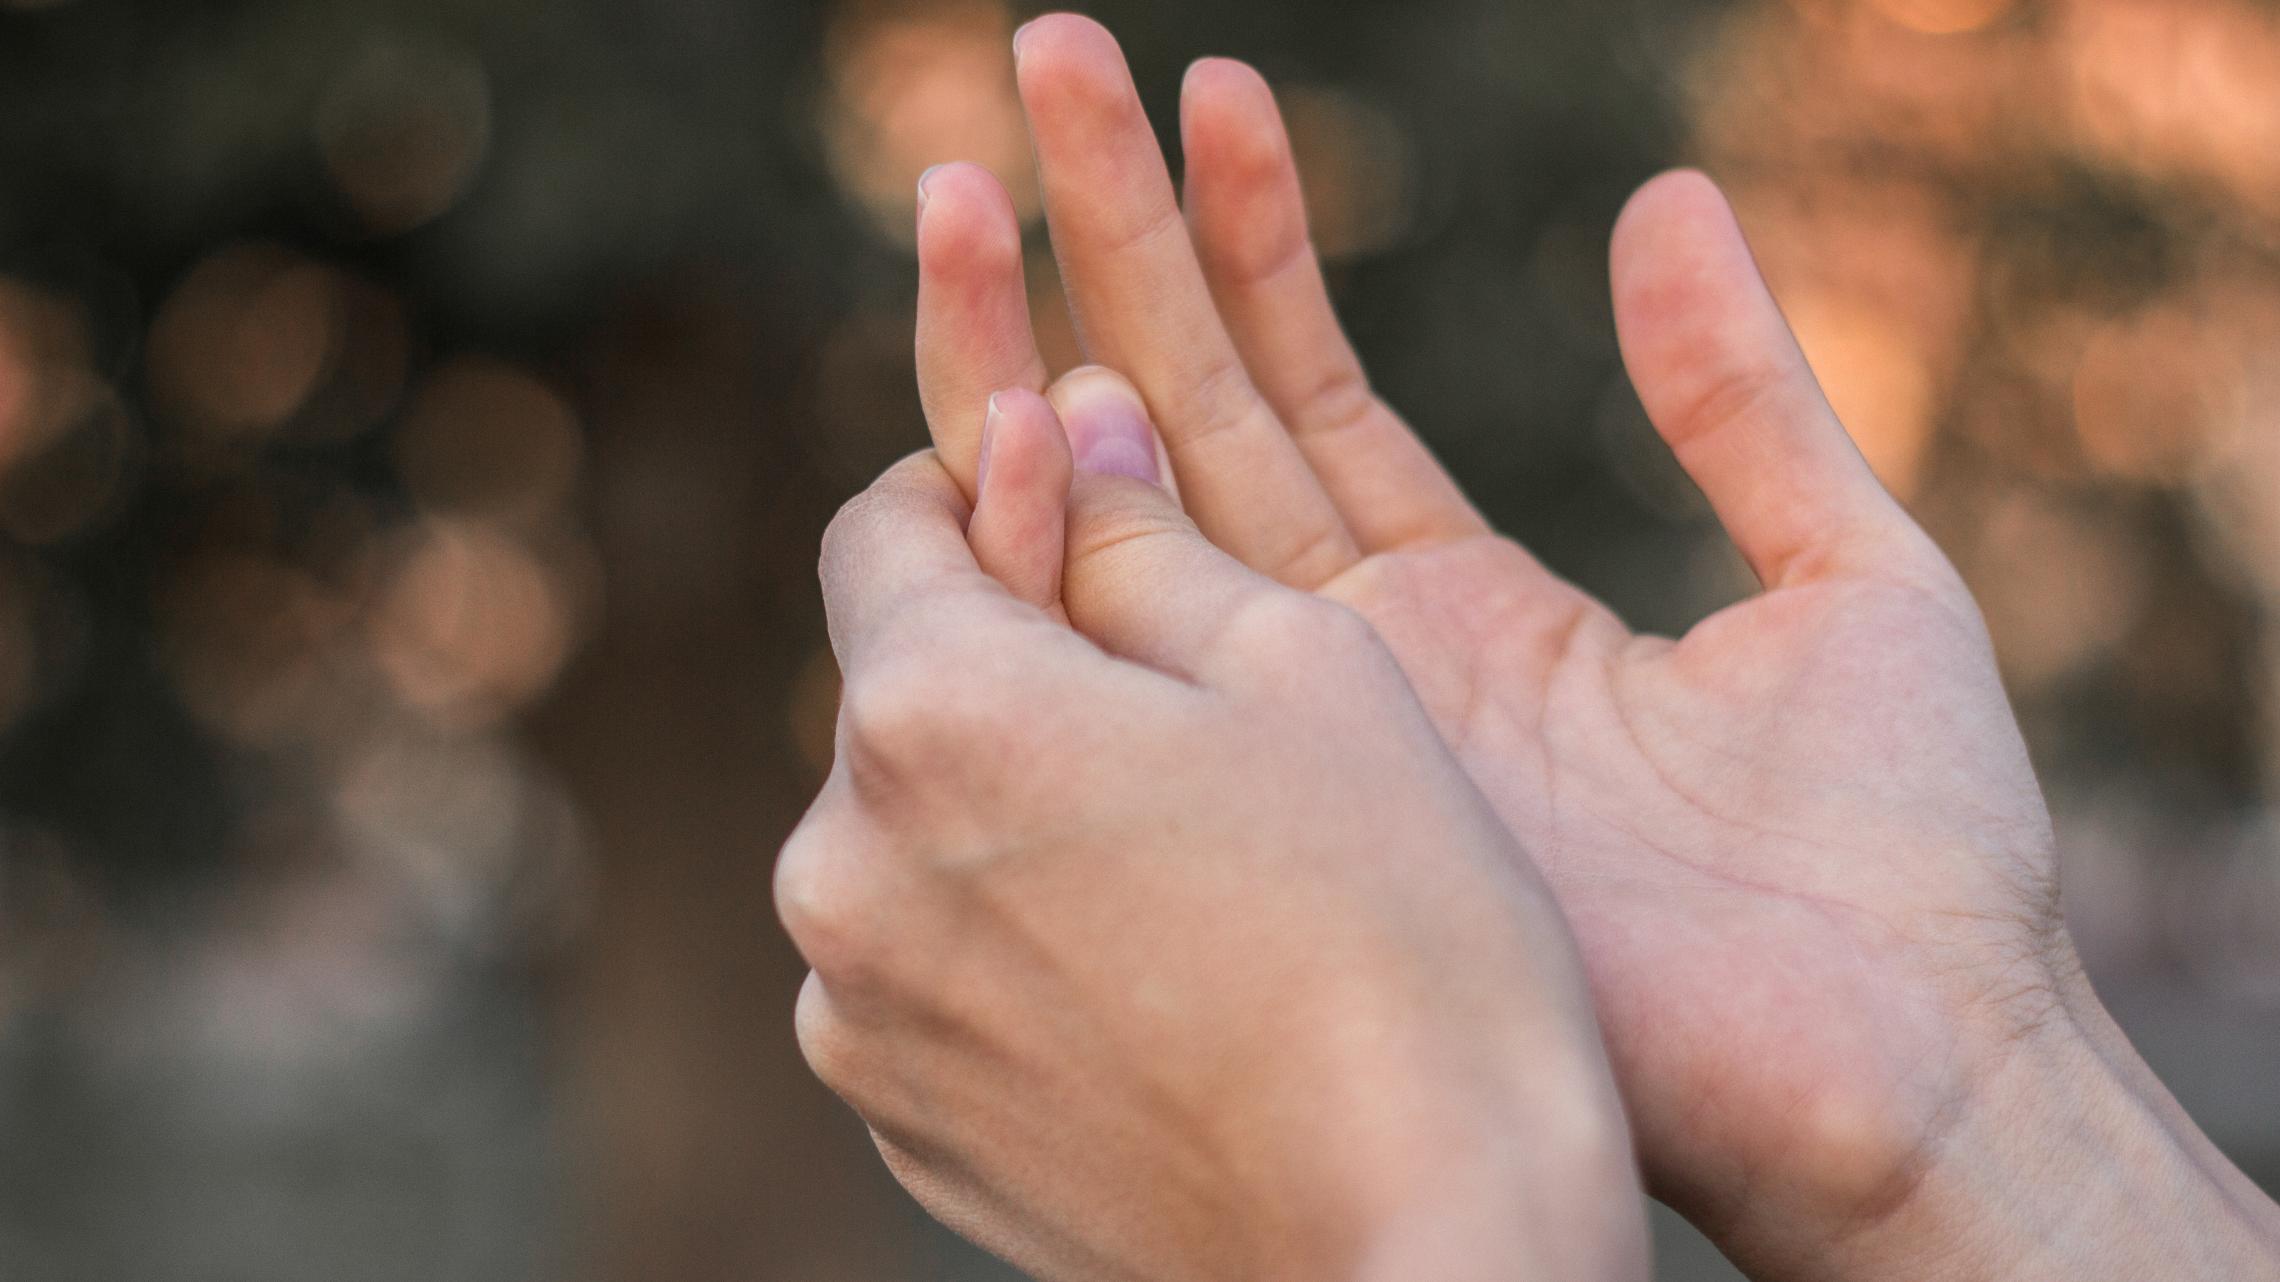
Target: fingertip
<point>1111,432</point>
<point>1231,123</point>
<point>1683,194</point>
<point>1024,477</point>
<point>1680,269</point>
<point>967,222</point>
<point>922,480</point>
<point>1670,227</point>
<point>1243,196</point>
<point>1061,32</point>
<point>1067,55</point>
<point>1682,188</point>
<point>1023,445</point>
<point>1216,79</point>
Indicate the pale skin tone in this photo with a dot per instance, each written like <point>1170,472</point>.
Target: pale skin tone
<point>1114,1019</point>
<point>1806,863</point>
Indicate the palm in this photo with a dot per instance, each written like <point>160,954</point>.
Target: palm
<point>1752,837</point>
<point>1783,841</point>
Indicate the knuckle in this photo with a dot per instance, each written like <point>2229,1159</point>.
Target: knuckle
<point>1340,402</point>
<point>1142,234</point>
<point>894,718</point>
<point>1919,553</point>
<point>1125,518</point>
<point>1283,628</point>
<point>828,897</point>
<point>1223,404</point>
<point>843,523</point>
<point>826,1041</point>
<point>934,721</point>
<point>1739,394</point>
<point>910,1148</point>
<point>1346,631</point>
<point>847,525</point>
<point>1352,644</point>
<point>901,1154</point>
<point>911,485</point>
<point>1315,555</point>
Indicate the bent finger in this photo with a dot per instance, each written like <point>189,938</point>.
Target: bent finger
<point>902,539</point>
<point>1142,581</point>
<point>1021,516</point>
<point>974,331</point>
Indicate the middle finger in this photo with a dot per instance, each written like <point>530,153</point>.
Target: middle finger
<point>1142,307</point>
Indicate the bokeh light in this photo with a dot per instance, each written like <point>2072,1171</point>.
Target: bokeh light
<point>417,421</point>
<point>69,445</point>
<point>916,83</point>
<point>404,129</point>
<point>473,623</point>
<point>1358,167</point>
<point>245,339</point>
<point>257,649</point>
<point>482,438</point>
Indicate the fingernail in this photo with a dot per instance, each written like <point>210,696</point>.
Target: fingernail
<point>989,434</point>
<point>1018,35</point>
<point>924,179</point>
<point>1108,426</point>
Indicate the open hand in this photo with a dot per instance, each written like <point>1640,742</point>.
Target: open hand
<point>1802,848</point>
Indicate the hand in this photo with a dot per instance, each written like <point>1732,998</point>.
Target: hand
<point>1186,950</point>
<point>1802,849</point>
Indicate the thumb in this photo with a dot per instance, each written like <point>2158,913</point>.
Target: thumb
<point>1142,582</point>
<point>1022,488</point>
<point>1723,379</point>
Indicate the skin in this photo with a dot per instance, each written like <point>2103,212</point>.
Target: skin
<point>1804,856</point>
<point>1113,1019</point>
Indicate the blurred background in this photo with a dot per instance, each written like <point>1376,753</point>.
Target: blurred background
<point>417,418</point>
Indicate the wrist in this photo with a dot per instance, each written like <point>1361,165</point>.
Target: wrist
<point>1553,1195</point>
<point>2064,1158</point>
<point>1577,1224</point>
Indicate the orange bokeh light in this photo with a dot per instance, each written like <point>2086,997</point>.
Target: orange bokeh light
<point>915,85</point>
<point>245,339</point>
<point>485,438</point>
<point>472,625</point>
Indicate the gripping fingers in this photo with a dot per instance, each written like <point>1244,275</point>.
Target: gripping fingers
<point>1020,518</point>
<point>974,334</point>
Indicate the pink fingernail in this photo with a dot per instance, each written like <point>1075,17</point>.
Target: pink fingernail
<point>924,179</point>
<point>1109,431</point>
<point>989,434</point>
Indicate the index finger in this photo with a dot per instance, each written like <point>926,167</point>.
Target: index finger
<point>974,334</point>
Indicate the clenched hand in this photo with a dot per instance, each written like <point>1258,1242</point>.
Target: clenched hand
<point>1155,932</point>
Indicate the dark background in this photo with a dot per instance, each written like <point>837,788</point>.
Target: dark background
<point>417,419</point>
